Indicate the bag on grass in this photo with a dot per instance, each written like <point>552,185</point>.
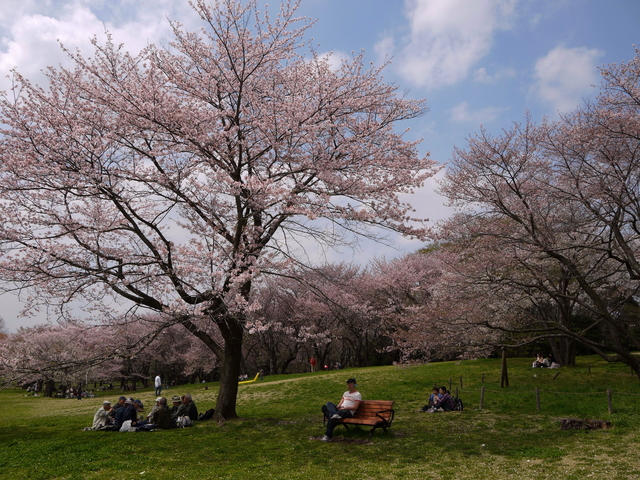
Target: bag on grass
<point>458,406</point>
<point>126,426</point>
<point>208,415</point>
<point>184,421</point>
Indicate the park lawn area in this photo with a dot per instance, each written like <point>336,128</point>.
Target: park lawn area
<point>278,434</point>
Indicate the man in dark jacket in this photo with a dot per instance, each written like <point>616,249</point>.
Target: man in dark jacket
<point>188,408</point>
<point>161,416</point>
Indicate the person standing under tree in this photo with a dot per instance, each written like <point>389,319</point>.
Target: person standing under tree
<point>313,362</point>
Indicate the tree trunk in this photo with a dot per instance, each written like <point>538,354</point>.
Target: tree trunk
<point>229,371</point>
<point>564,350</point>
<point>48,388</point>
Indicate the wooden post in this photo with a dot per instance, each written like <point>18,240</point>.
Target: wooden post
<point>483,378</point>
<point>481,396</point>
<point>457,392</point>
<point>504,375</point>
<point>461,382</point>
<point>537,399</point>
<point>449,384</point>
<point>609,401</point>
<point>589,368</point>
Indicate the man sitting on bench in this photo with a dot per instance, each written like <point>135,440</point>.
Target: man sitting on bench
<point>347,407</point>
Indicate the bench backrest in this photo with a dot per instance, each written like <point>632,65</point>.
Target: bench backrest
<point>370,408</point>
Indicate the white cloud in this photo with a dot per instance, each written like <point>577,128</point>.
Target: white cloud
<point>448,37</point>
<point>461,113</point>
<point>384,49</point>
<point>336,59</point>
<point>565,76</point>
<point>30,38</point>
<point>481,75</point>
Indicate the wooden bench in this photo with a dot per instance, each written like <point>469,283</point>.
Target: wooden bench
<point>371,413</point>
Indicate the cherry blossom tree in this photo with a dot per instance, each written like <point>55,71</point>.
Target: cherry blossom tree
<point>561,198</point>
<point>172,178</point>
<point>74,352</point>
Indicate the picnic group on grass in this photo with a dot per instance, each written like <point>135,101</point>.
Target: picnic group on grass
<point>126,415</point>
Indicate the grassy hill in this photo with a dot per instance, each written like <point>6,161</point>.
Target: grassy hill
<point>278,435</point>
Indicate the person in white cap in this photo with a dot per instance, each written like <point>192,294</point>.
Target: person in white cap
<point>101,418</point>
<point>153,410</point>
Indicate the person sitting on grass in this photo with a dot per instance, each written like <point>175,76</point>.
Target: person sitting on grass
<point>101,419</point>
<point>539,362</point>
<point>187,408</point>
<point>128,412</point>
<point>347,407</point>
<point>433,398</point>
<point>445,401</point>
<point>177,401</point>
<point>161,417</point>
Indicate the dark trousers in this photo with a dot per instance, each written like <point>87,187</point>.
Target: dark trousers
<point>329,410</point>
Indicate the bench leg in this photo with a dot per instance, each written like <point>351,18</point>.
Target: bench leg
<point>374,429</point>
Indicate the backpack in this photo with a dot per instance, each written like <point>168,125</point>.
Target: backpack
<point>208,415</point>
<point>184,421</point>
<point>458,406</point>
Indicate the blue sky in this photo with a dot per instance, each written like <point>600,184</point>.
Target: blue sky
<point>477,62</point>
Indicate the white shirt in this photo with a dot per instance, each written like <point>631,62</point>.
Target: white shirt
<point>101,418</point>
<point>158,381</point>
<point>350,401</point>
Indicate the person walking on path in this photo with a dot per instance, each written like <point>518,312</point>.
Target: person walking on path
<point>158,384</point>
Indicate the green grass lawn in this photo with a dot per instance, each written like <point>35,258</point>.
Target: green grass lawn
<point>278,434</point>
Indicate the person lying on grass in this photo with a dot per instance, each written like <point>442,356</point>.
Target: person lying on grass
<point>347,407</point>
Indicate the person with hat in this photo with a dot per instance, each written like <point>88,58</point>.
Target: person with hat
<point>177,401</point>
<point>187,408</point>
<point>161,416</point>
<point>101,418</point>
<point>119,404</point>
<point>156,407</point>
<point>347,407</point>
<point>127,412</point>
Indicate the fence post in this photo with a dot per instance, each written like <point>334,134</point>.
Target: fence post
<point>537,399</point>
<point>483,378</point>
<point>481,396</point>
<point>461,382</point>
<point>504,376</point>
<point>609,401</point>
<point>457,392</point>
<point>589,367</point>
<point>449,384</point>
